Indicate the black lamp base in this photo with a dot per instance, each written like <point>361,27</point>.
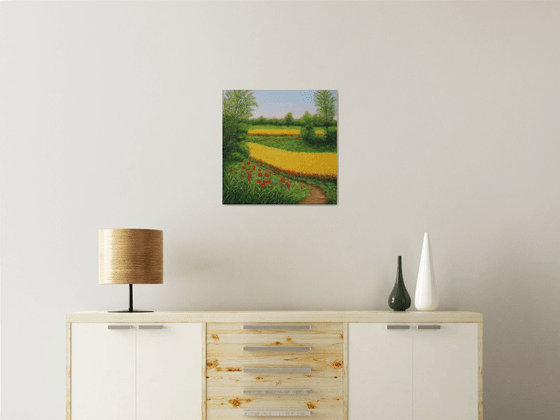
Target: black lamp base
<point>130,308</point>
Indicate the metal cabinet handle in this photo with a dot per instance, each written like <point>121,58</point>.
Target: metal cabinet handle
<point>150,327</point>
<point>119,327</point>
<point>397,327</point>
<point>268,348</point>
<point>276,327</point>
<point>276,370</point>
<point>429,327</point>
<point>276,391</point>
<point>277,413</point>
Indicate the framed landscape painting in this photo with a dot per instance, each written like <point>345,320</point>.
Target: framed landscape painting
<point>279,146</point>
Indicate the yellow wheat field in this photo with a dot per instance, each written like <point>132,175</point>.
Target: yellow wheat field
<point>316,165</point>
<point>277,132</point>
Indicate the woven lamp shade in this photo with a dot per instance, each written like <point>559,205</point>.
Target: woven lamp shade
<point>130,256</point>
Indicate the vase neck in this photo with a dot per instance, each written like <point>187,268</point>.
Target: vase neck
<point>399,270</point>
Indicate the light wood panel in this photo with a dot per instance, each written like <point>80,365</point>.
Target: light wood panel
<point>325,363</point>
<point>277,316</point>
<point>219,393</point>
<point>203,402</point>
<point>226,361</point>
<point>480,375</point>
<point>68,371</point>
<point>345,371</point>
<point>288,380</point>
<point>323,328</point>
<point>322,407</point>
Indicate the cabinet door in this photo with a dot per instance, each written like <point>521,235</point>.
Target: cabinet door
<point>445,373</point>
<point>103,365</point>
<point>169,371</point>
<point>379,372</point>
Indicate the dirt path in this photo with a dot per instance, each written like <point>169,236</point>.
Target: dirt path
<point>317,195</point>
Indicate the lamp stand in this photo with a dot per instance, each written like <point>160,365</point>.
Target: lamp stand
<point>130,308</point>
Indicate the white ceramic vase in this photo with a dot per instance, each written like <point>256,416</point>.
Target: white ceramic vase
<point>426,297</point>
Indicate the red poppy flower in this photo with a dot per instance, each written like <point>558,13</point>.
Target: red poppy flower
<point>282,180</point>
<point>253,167</point>
<point>248,177</point>
<point>236,173</point>
<point>248,163</point>
<point>258,181</point>
<point>288,184</point>
<point>260,173</point>
<point>263,185</point>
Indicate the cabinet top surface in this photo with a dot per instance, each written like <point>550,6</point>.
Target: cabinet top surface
<point>276,316</point>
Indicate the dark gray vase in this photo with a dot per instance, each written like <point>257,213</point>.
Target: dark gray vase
<point>399,299</point>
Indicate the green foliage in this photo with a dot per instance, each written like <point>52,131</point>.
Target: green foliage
<point>239,104</point>
<point>237,108</point>
<point>307,131</point>
<point>325,101</point>
<point>329,186</point>
<point>233,136</point>
<point>279,127</point>
<point>240,186</point>
<point>317,122</point>
<point>289,119</point>
<point>298,145</point>
<point>330,135</point>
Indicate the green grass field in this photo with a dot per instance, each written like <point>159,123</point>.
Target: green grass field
<point>292,143</point>
<point>297,145</point>
<point>243,184</point>
<point>243,181</point>
<point>280,127</point>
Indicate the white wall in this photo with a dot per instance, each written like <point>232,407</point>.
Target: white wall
<point>111,117</point>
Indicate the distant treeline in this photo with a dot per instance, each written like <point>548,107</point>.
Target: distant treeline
<point>315,119</point>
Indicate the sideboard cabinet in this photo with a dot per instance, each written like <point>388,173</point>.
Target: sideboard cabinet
<point>327,365</point>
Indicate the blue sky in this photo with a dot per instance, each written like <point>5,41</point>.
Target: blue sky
<point>277,103</point>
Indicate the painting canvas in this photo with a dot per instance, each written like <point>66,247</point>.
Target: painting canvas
<point>279,146</point>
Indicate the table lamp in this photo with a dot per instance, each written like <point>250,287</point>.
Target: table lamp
<point>130,256</point>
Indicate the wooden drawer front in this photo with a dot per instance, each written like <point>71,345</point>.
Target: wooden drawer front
<point>226,359</point>
<point>314,380</point>
<point>321,387</point>
<point>230,403</point>
<point>326,335</point>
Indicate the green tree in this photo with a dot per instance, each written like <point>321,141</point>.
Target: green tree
<point>316,120</point>
<point>289,119</point>
<point>325,101</point>
<point>237,109</point>
<point>307,132</point>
